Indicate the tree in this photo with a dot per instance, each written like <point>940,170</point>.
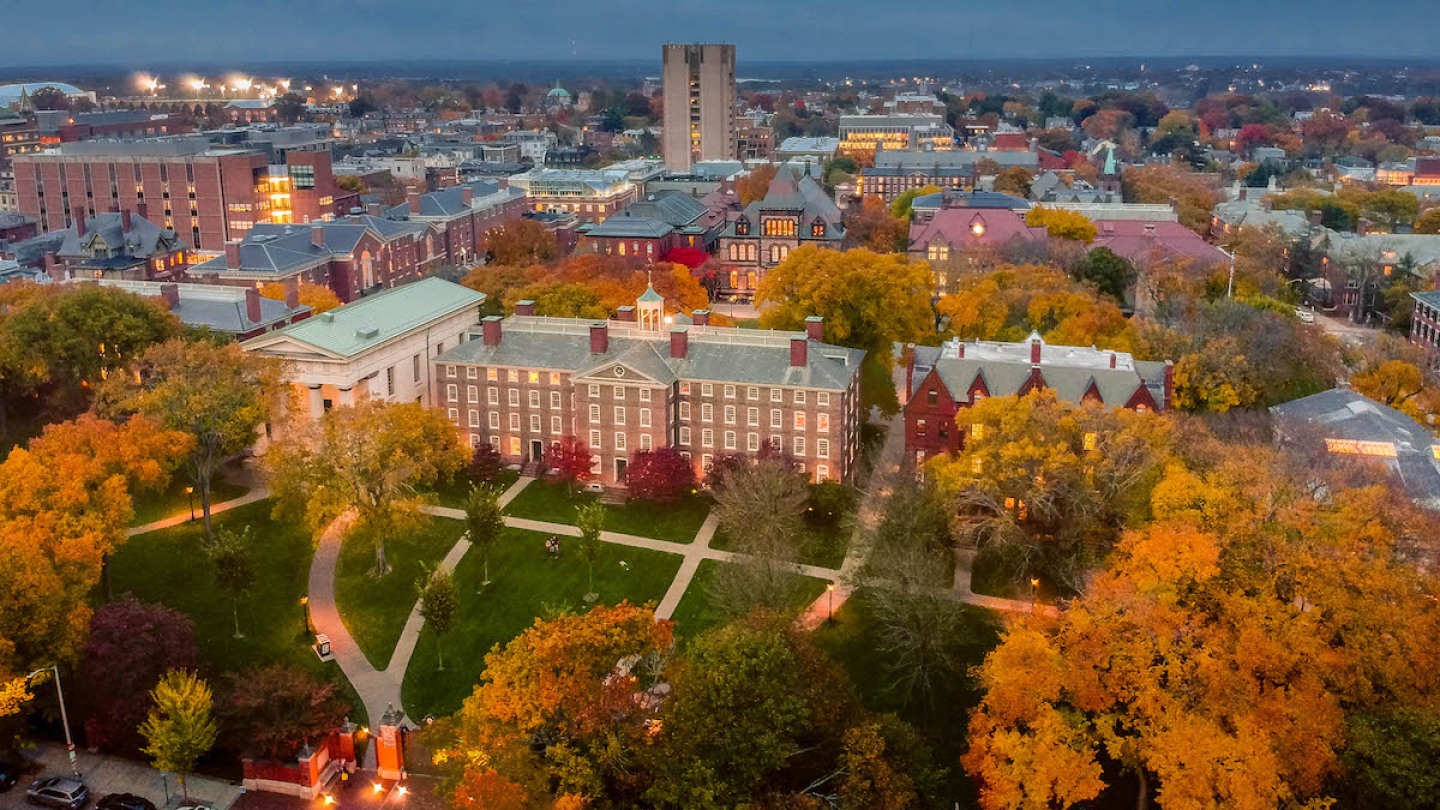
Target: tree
<point>760,506</point>
<point>1403,386</point>
<point>875,228</point>
<point>130,647</point>
<point>659,476</point>
<point>218,395</point>
<point>563,708</point>
<point>49,98</point>
<point>691,257</point>
<point>439,599</point>
<point>1011,301</point>
<point>869,301</point>
<point>1160,184</point>
<point>570,460</point>
<point>1060,223</point>
<point>374,458</point>
<point>1014,180</point>
<point>181,727</point>
<point>590,519</point>
<point>869,777</point>
<point>316,296</point>
<point>484,522</point>
<point>1428,222</point>
<point>486,464</point>
<point>1111,274</point>
<point>1048,486</point>
<point>520,244</point>
<point>64,507</point>
<point>1389,760</point>
<point>290,107</point>
<point>755,185</point>
<point>278,709</point>
<point>234,574</point>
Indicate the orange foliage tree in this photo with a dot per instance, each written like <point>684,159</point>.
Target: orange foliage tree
<point>316,296</point>
<point>754,185</point>
<point>1011,301</point>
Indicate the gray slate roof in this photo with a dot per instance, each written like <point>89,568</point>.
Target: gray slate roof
<point>284,249</point>
<point>1342,413</point>
<point>672,207</point>
<point>625,225</point>
<point>739,356</point>
<point>145,239</point>
<point>802,196</point>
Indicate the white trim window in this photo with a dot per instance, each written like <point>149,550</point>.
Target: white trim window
<point>494,420</point>
<point>534,399</point>
<point>454,414</point>
<point>619,441</point>
<point>555,425</point>
<point>619,414</point>
<point>707,412</point>
<point>452,392</point>
<point>729,414</point>
<point>474,418</point>
<point>645,442</point>
<point>515,422</point>
<point>777,420</point>
<point>594,440</point>
<point>492,395</point>
<point>799,446</point>
<point>685,436</point>
<point>472,394</point>
<point>752,442</point>
<point>822,448</point>
<point>752,393</point>
<point>534,423</point>
<point>513,397</point>
<point>729,440</point>
<point>644,394</point>
<point>644,417</point>
<point>752,417</point>
<point>554,400</point>
<point>594,414</point>
<point>707,438</point>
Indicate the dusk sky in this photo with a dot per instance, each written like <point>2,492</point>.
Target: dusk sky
<point>173,31</point>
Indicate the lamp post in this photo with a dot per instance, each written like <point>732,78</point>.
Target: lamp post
<point>830,594</point>
<point>1034,592</point>
<point>64,717</point>
<point>305,609</point>
<point>190,493</point>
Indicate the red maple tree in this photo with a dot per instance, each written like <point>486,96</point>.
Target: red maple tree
<point>659,476</point>
<point>570,460</point>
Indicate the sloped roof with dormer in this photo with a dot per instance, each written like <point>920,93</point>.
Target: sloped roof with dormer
<point>143,240</point>
<point>801,196</point>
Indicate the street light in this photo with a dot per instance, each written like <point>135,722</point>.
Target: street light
<point>190,492</point>
<point>1034,592</point>
<point>830,592</point>
<point>305,609</point>
<point>64,717</point>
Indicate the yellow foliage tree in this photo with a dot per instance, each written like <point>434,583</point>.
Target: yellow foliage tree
<point>1012,301</point>
<point>1404,387</point>
<point>1060,223</point>
<point>316,296</point>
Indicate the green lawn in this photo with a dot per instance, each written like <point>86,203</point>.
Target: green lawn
<point>375,608</point>
<point>525,584</point>
<point>696,613</point>
<point>171,501</point>
<point>993,575</point>
<point>853,641</point>
<point>824,543</point>
<point>678,522</point>
<point>166,567</point>
<point>453,493</point>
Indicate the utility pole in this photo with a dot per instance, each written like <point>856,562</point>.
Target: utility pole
<point>64,717</point>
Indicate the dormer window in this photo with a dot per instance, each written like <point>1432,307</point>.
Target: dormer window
<point>817,228</point>
<point>977,226</point>
<point>742,227</point>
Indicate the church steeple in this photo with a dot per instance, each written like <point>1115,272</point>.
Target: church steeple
<point>650,310</point>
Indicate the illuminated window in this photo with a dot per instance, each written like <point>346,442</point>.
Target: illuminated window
<point>534,377</point>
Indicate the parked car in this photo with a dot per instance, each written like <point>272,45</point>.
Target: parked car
<point>1305,315</point>
<point>65,792</point>
<point>124,801</point>
<point>9,775</point>
<point>195,807</point>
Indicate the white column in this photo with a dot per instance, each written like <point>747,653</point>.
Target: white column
<point>347,397</point>
<point>317,402</point>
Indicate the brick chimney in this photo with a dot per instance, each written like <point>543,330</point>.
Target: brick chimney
<point>467,193</point>
<point>526,307</point>
<point>491,328</point>
<point>962,351</point>
<point>599,338</point>
<point>1035,352</point>
<point>625,314</point>
<point>78,214</point>
<point>1169,382</point>
<point>232,255</point>
<point>815,328</point>
<point>799,352</point>
<point>374,209</point>
<point>1112,360</point>
<point>292,292</point>
<point>701,317</point>
<point>125,222</point>
<point>170,294</point>
<point>1315,217</point>
<point>252,304</point>
<point>909,373</point>
<point>141,209</point>
<point>413,198</point>
<point>679,343</point>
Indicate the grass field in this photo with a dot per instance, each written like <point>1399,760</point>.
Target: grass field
<point>824,543</point>
<point>676,522</point>
<point>172,500</point>
<point>454,492</point>
<point>375,608</point>
<point>525,584</point>
<point>167,567</point>
<point>696,613</point>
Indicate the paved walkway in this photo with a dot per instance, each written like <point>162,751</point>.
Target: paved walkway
<point>107,774</point>
<point>379,689</point>
<point>688,567</point>
<point>258,493</point>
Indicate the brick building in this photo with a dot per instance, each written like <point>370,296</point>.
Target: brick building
<point>622,386</point>
<point>123,245</point>
<point>794,212</point>
<point>207,195</point>
<point>462,216</point>
<point>590,194</point>
<point>119,124</point>
<point>1425,323</point>
<point>652,227</point>
<point>941,381</point>
<point>237,312</point>
<point>355,256</point>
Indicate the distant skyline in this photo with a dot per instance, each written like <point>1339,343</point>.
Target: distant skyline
<point>153,32</point>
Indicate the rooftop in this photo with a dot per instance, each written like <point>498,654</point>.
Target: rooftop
<point>220,308</point>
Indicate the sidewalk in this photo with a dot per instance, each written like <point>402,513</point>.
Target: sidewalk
<point>106,774</point>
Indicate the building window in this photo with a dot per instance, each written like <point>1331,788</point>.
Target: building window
<point>594,414</point>
<point>594,391</point>
<point>822,472</point>
<point>452,393</point>
<point>620,392</point>
<point>390,381</point>
<point>619,414</point>
<point>919,428</point>
<point>474,440</point>
<point>534,423</point>
<point>684,410</point>
<point>752,442</point>
<point>449,371</point>
<point>707,412</point>
<point>644,417</point>
<point>822,422</point>
<point>776,395</point>
<point>645,442</point>
<point>752,417</point>
<point>799,420</point>
<point>534,399</point>
<point>474,418</point>
<point>594,440</point>
<point>512,375</point>
<point>707,390</point>
<point>799,446</point>
<point>554,378</point>
<point>619,441</point>
<point>707,438</point>
<point>685,388</point>
<point>472,394</point>
<point>492,395</point>
<point>752,393</point>
<point>514,397</point>
<point>554,400</point>
<point>454,415</point>
<point>799,397</point>
<point>729,392</point>
<point>729,414</point>
<point>685,436</point>
<point>494,420</point>
<point>775,420</point>
<point>534,377</point>
<point>492,374</point>
<point>822,399</point>
<point>729,440</point>
<point>822,448</point>
<point>514,445</point>
<point>555,425</point>
<point>471,372</point>
<point>644,394</point>
<point>515,422</point>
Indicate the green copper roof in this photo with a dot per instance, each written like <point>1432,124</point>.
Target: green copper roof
<point>650,295</point>
<point>1110,169</point>
<point>358,326</point>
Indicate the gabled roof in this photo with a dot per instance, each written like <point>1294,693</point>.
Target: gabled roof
<point>1070,371</point>
<point>626,226</point>
<point>1143,240</point>
<point>969,226</point>
<point>359,326</point>
<point>800,196</point>
<point>672,207</point>
<point>145,239</point>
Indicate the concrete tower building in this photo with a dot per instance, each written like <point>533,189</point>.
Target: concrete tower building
<point>699,92</point>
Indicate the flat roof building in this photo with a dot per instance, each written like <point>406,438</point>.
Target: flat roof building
<point>700,95</point>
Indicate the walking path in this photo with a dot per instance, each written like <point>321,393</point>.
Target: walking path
<point>379,689</point>
<point>688,567</point>
<point>108,774</point>
<point>259,493</point>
